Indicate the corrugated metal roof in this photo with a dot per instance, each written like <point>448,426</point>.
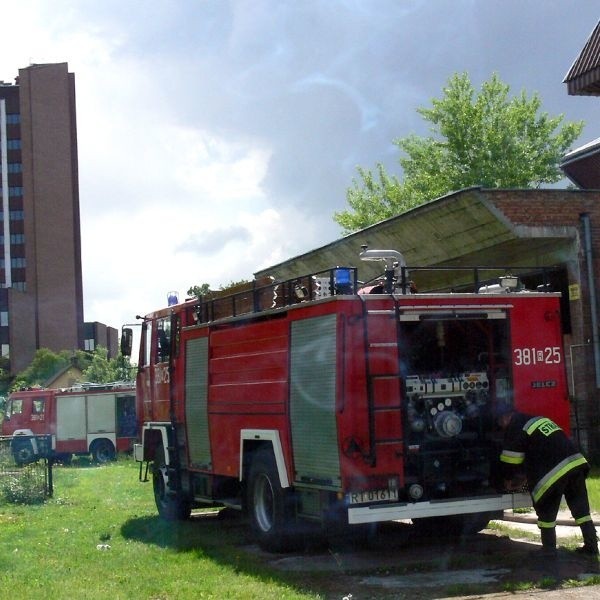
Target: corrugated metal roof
<point>462,228</point>
<point>583,78</point>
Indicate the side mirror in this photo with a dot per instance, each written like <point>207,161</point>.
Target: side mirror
<point>126,341</point>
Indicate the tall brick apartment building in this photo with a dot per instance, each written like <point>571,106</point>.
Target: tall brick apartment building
<point>41,298</point>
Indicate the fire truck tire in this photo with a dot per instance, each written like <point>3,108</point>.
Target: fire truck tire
<point>452,525</point>
<point>102,451</point>
<point>64,458</point>
<point>23,452</point>
<point>171,506</point>
<point>270,507</point>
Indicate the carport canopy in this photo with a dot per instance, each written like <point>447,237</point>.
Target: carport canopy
<point>461,229</point>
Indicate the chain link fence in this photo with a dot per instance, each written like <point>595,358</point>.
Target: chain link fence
<point>25,469</point>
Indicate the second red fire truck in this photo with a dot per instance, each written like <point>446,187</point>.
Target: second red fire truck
<point>95,419</point>
<point>323,400</point>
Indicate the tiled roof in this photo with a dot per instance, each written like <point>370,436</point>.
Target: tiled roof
<point>583,78</point>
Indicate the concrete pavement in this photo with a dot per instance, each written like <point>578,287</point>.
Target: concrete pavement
<point>565,524</point>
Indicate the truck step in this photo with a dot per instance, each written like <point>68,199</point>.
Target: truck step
<point>234,503</point>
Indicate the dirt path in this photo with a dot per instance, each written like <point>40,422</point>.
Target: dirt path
<point>398,564</point>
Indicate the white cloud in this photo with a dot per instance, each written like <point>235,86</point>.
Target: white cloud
<point>215,140</point>
<point>131,263</point>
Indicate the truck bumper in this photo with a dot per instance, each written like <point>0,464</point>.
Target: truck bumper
<point>436,508</point>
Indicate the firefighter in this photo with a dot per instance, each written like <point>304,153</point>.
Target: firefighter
<point>552,468</point>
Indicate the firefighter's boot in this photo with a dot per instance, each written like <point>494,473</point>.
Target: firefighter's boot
<point>590,539</point>
<point>548,541</point>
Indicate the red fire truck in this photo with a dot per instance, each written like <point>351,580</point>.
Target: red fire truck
<point>94,419</point>
<point>321,399</point>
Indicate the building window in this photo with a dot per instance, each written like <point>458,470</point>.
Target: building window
<point>13,144</point>
<point>13,118</point>
<point>15,191</point>
<point>5,349</point>
<point>89,345</point>
<point>18,263</point>
<point>3,318</point>
<point>15,238</point>
<point>19,285</point>
<point>16,215</point>
<point>15,168</point>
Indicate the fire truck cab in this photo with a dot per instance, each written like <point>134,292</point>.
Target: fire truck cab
<point>325,400</point>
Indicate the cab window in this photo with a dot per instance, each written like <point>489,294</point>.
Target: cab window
<point>37,409</point>
<point>14,407</point>
<point>163,339</point>
<point>146,343</point>
<point>127,425</point>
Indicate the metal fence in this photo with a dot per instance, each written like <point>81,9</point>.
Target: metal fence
<point>25,469</point>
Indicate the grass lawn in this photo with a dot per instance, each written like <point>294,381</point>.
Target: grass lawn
<point>593,486</point>
<point>100,537</point>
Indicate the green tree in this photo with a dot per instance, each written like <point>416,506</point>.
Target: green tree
<point>45,363</point>
<point>96,367</point>
<point>106,370</point>
<point>100,370</point>
<point>123,368</point>
<point>204,288</point>
<point>483,139</point>
<point>5,380</point>
<point>199,290</point>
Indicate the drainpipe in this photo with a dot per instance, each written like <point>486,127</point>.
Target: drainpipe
<point>587,240</point>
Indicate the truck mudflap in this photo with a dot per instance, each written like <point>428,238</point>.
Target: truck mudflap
<point>375,513</point>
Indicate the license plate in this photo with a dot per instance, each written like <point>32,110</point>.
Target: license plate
<point>373,496</point>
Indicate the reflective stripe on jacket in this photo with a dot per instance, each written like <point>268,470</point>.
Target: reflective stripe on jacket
<point>561,469</point>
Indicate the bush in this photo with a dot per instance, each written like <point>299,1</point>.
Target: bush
<point>23,486</point>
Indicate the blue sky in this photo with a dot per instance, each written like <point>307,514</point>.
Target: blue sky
<point>218,137</point>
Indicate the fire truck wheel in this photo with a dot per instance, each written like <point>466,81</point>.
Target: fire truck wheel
<point>102,451</point>
<point>270,507</point>
<point>64,458</point>
<point>452,525</point>
<point>23,452</point>
<point>171,506</point>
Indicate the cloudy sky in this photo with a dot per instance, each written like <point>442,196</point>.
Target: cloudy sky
<point>218,137</point>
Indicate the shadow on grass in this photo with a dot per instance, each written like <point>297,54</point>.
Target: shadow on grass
<point>390,564</point>
<point>203,531</point>
<point>218,536</point>
<point>85,461</point>
<point>78,462</point>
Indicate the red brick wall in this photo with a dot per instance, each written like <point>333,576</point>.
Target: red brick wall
<point>547,207</point>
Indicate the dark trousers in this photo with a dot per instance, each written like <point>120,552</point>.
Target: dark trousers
<point>572,487</point>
